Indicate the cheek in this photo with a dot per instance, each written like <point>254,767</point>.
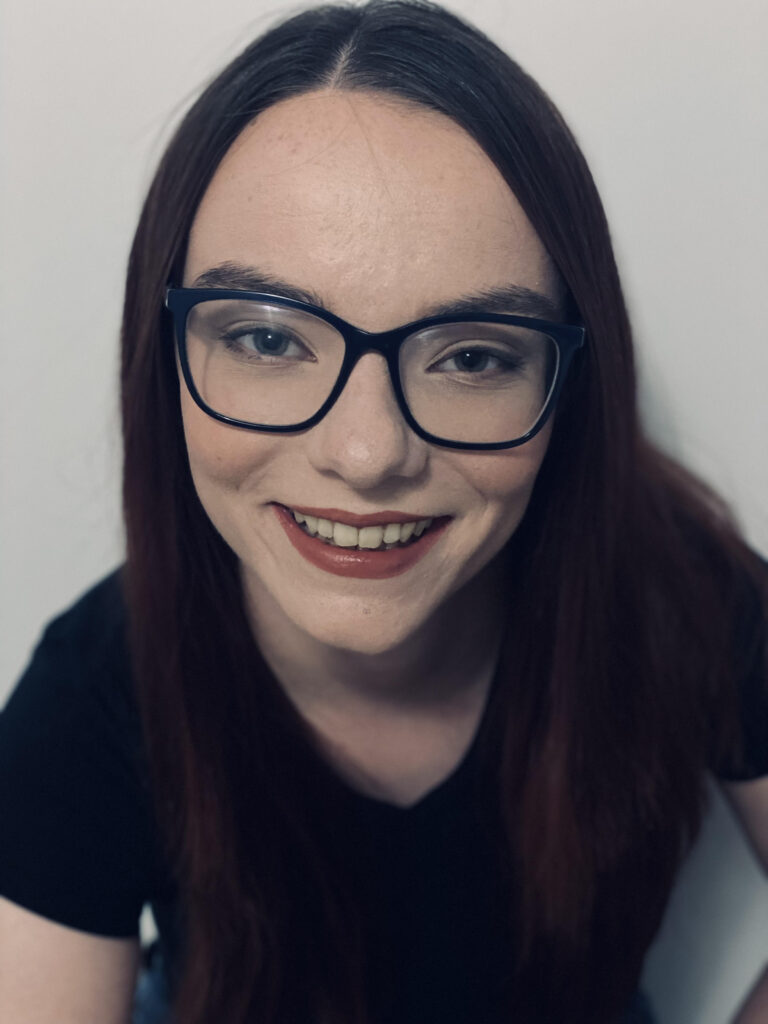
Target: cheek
<point>221,458</point>
<point>506,478</point>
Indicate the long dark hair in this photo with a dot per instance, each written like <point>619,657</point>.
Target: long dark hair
<point>627,575</point>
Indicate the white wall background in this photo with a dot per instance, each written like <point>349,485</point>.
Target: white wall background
<point>668,98</point>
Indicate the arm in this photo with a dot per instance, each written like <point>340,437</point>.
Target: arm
<point>51,974</point>
<point>749,801</point>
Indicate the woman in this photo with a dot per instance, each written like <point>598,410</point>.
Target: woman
<point>401,707</point>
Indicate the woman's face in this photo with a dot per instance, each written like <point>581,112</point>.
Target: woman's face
<point>381,211</point>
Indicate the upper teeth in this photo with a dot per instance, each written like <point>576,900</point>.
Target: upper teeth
<point>365,537</point>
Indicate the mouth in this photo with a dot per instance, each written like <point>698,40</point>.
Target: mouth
<point>372,550</point>
<point>377,537</point>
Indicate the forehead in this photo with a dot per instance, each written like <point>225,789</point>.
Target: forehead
<point>379,207</point>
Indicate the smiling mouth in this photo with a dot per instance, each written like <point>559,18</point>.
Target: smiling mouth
<point>366,538</point>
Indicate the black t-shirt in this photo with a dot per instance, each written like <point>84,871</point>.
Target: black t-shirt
<point>78,842</point>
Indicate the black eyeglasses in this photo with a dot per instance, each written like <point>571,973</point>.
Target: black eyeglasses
<point>264,362</point>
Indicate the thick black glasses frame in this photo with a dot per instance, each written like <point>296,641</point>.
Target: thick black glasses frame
<point>568,338</point>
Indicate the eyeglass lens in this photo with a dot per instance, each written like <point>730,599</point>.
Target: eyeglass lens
<point>276,366</point>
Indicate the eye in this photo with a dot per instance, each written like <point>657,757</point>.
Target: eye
<point>264,342</point>
<point>476,361</point>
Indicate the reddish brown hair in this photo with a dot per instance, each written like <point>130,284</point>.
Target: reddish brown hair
<point>627,574</point>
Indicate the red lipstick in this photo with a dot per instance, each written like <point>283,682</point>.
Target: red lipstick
<point>354,562</point>
<point>336,515</point>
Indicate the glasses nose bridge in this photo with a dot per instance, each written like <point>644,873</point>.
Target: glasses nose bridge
<point>359,342</point>
<point>386,343</point>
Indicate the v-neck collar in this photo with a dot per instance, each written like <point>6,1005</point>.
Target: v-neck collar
<point>455,788</point>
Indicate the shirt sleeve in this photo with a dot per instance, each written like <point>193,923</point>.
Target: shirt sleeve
<point>77,842</point>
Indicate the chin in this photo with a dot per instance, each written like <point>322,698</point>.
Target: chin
<point>365,630</point>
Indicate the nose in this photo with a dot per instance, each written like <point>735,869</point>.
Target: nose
<point>363,438</point>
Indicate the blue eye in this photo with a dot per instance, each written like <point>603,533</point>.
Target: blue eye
<point>265,342</point>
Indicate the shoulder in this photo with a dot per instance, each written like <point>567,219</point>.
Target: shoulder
<point>81,655</point>
<point>92,631</point>
<point>79,677</point>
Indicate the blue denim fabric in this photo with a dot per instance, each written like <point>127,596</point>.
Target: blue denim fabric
<point>151,1000</point>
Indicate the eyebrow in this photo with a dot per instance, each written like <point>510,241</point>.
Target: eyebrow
<point>509,298</point>
<point>249,279</point>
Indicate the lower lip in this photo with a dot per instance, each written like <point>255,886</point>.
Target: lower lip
<point>362,565</point>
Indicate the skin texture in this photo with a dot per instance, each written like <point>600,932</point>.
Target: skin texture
<point>381,209</point>
<point>50,974</point>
